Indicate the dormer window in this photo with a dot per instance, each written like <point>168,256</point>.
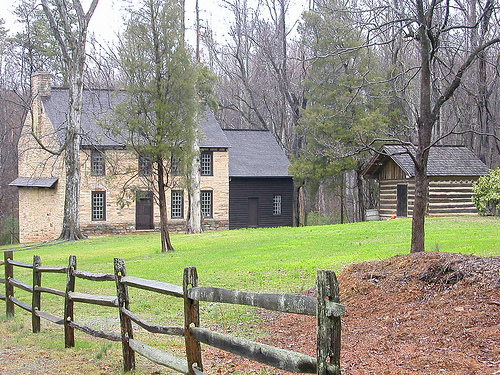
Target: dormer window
<point>206,163</point>
<point>97,162</point>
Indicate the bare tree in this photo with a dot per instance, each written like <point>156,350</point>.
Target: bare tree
<point>69,24</point>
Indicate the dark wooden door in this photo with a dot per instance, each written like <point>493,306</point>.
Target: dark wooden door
<point>144,210</point>
<point>253,212</point>
<point>402,200</point>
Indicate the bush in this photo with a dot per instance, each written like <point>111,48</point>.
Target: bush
<point>487,193</point>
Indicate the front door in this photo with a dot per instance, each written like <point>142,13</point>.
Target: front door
<point>144,210</point>
<point>253,212</point>
<point>402,200</point>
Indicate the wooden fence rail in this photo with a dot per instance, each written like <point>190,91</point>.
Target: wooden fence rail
<point>325,307</point>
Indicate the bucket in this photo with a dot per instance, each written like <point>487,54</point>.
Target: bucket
<point>372,214</point>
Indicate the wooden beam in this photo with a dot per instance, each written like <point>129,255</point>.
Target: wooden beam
<point>94,299</point>
<point>101,334</point>
<point>173,331</point>
<point>20,264</point>
<point>35,300</point>
<point>191,318</point>
<point>49,317</point>
<point>21,285</point>
<point>43,289</point>
<point>160,357</point>
<point>53,269</point>
<point>153,286</point>
<point>69,331</point>
<point>9,289</point>
<point>100,276</point>
<point>289,303</point>
<point>21,304</point>
<point>280,358</point>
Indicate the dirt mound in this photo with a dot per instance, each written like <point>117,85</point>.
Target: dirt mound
<point>427,313</point>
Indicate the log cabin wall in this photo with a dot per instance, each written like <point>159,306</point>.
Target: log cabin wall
<point>447,196</point>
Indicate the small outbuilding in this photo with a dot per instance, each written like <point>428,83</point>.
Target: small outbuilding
<point>451,172</point>
<point>260,186</point>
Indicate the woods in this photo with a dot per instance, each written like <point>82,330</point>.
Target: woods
<point>333,82</point>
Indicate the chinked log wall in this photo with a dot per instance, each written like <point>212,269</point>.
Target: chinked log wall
<point>447,196</point>
<point>325,307</point>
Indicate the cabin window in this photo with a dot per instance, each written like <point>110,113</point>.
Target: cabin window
<point>277,205</point>
<point>97,162</point>
<point>144,165</point>
<point>98,206</point>
<point>206,203</point>
<point>177,204</point>
<point>206,164</point>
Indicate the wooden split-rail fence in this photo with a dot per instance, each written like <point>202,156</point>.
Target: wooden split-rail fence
<point>325,307</point>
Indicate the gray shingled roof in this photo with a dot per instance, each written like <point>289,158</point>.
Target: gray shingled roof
<point>255,153</point>
<point>34,182</point>
<point>97,104</point>
<point>443,161</point>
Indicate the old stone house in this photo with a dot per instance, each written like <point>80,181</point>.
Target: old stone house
<point>106,166</point>
<point>451,172</point>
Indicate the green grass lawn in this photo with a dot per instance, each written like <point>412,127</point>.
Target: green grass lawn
<point>262,260</point>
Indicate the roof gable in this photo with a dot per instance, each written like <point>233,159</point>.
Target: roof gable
<point>443,161</point>
<point>255,153</point>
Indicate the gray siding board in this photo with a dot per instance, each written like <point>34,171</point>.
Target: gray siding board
<point>241,189</point>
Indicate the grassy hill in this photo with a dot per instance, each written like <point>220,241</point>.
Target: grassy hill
<point>261,260</point>
<point>277,259</point>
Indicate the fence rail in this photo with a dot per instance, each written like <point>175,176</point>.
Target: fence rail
<point>325,307</point>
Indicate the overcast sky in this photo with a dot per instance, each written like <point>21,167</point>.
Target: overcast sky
<point>107,19</point>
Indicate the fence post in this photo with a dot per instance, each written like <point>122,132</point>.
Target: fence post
<point>191,317</point>
<point>125,322</point>
<point>328,326</point>
<point>35,301</point>
<point>9,289</point>
<point>69,332</point>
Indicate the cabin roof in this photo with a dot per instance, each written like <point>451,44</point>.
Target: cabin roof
<point>255,153</point>
<point>97,105</point>
<point>443,161</point>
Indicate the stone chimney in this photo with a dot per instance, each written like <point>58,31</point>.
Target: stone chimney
<point>41,84</point>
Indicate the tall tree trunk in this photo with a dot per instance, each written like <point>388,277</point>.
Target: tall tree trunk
<point>166,245</point>
<point>194,220</point>
<point>71,219</point>
<point>424,127</point>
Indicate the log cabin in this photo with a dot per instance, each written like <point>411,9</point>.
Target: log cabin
<point>451,172</point>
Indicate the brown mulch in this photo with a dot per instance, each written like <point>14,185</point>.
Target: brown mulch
<point>428,313</point>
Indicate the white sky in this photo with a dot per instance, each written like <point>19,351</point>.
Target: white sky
<point>107,19</point>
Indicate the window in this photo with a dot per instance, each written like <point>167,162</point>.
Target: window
<point>98,205</point>
<point>97,162</point>
<point>177,204</point>
<point>206,164</point>
<point>206,203</point>
<point>277,205</point>
<point>144,166</point>
<point>175,166</point>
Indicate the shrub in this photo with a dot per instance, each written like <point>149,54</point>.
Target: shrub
<point>486,191</point>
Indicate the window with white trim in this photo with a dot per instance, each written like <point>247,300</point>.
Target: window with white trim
<point>97,162</point>
<point>206,203</point>
<point>277,205</point>
<point>206,163</point>
<point>98,206</point>
<point>177,204</point>
<point>145,165</point>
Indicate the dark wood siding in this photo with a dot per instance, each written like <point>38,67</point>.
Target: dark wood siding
<point>241,190</point>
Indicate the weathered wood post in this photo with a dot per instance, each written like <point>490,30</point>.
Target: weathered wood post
<point>328,323</point>
<point>35,300</point>
<point>191,317</point>
<point>69,331</point>
<point>125,322</point>
<point>9,289</point>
